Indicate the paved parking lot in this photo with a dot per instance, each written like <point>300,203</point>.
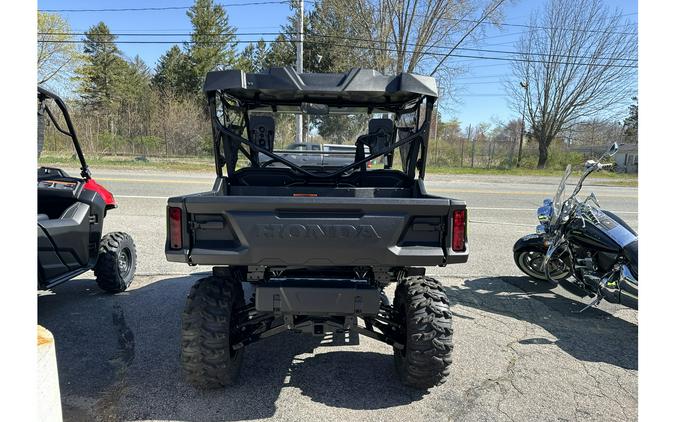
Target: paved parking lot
<point>521,353</point>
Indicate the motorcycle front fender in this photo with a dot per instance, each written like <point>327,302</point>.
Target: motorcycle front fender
<point>531,242</point>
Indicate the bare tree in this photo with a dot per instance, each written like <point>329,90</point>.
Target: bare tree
<point>419,36</point>
<point>597,132</point>
<point>578,60</point>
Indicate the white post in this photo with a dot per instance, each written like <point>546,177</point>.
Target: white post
<point>49,396</point>
<point>298,63</point>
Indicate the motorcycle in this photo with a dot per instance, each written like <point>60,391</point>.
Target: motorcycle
<point>578,239</point>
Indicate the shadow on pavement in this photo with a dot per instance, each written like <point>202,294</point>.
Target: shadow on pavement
<point>592,336</point>
<point>118,358</point>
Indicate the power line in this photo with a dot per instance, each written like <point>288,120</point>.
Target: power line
<point>485,16</point>
<point>522,25</point>
<point>477,83</point>
<point>348,46</point>
<point>273,2</point>
<point>500,75</point>
<point>513,34</point>
<point>487,95</point>
<point>157,9</point>
<point>213,35</point>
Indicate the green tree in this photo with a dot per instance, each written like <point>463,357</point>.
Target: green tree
<point>282,51</point>
<point>630,123</point>
<point>212,42</point>
<point>134,96</point>
<point>102,66</point>
<point>171,71</point>
<point>329,28</point>
<point>56,57</point>
<point>254,57</point>
<point>341,128</point>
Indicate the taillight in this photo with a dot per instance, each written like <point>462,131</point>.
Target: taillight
<point>175,227</point>
<point>459,230</point>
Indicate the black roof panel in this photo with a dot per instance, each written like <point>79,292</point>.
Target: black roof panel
<point>357,87</point>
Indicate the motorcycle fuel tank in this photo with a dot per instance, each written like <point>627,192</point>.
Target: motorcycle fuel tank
<point>595,229</point>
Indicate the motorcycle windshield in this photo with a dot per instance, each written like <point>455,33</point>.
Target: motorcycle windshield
<point>559,197</point>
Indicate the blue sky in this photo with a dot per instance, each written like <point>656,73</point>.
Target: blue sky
<point>479,94</point>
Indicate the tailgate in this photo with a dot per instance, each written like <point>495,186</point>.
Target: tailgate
<point>325,231</point>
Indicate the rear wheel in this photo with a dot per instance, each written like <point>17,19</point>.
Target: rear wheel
<point>531,263</point>
<point>423,310</point>
<point>207,356</point>
<point>116,264</point>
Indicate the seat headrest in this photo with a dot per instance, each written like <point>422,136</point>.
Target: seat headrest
<point>375,125</point>
<point>261,131</point>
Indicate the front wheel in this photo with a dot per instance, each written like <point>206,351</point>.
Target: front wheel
<point>530,261</point>
<point>116,264</point>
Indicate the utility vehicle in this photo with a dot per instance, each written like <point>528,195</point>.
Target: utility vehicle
<point>70,217</point>
<point>317,246</point>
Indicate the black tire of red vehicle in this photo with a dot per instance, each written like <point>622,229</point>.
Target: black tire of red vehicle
<point>116,264</point>
<point>423,309</point>
<point>206,355</point>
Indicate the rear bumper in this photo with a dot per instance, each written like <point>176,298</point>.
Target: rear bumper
<point>392,257</point>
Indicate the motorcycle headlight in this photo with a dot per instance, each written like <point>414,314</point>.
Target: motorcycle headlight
<point>545,213</point>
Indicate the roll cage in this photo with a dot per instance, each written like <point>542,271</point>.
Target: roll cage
<point>43,96</point>
<point>233,94</point>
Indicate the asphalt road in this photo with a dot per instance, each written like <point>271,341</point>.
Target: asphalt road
<point>521,353</point>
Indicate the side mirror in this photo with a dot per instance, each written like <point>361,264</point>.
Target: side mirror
<point>592,198</point>
<point>613,149</point>
<point>314,109</point>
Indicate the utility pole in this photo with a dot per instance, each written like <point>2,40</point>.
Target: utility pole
<point>468,137</point>
<point>522,125</point>
<point>298,63</point>
<point>491,147</point>
<point>473,151</point>
<point>436,133</point>
<point>511,148</point>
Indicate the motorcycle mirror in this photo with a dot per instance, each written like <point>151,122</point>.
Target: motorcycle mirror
<point>613,149</point>
<point>592,198</point>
